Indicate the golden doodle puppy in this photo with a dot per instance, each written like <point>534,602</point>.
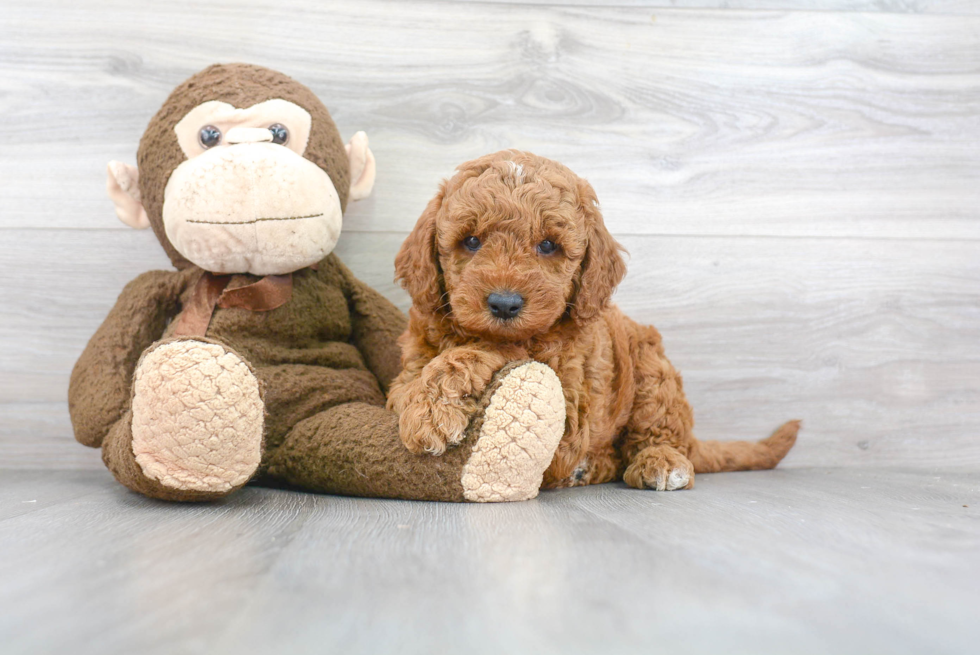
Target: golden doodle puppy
<point>511,261</point>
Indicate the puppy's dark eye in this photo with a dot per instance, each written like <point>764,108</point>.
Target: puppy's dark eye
<point>279,133</point>
<point>472,244</point>
<point>209,136</point>
<point>547,247</point>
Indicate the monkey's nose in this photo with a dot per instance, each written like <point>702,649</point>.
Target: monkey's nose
<point>505,304</point>
<point>247,135</point>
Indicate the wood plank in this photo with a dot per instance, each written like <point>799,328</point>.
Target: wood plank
<point>878,525</point>
<point>26,491</point>
<point>944,7</point>
<point>697,122</point>
<point>802,561</point>
<point>148,564</point>
<point>38,435</point>
<point>874,344</point>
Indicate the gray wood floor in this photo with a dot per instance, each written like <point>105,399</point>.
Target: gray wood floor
<point>790,561</point>
<point>797,183</point>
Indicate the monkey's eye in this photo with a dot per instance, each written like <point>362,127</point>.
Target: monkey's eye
<point>472,243</point>
<point>209,136</point>
<point>547,247</point>
<point>279,133</point>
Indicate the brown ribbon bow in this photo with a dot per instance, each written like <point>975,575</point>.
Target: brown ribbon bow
<point>265,295</point>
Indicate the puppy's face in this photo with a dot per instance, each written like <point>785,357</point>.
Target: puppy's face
<point>510,244</point>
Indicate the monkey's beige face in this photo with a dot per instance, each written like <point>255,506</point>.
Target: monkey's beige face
<point>246,200</point>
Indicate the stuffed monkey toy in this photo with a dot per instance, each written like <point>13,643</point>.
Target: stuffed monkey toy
<point>261,357</point>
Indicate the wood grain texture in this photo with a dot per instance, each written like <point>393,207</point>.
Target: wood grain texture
<point>698,122</point>
<point>797,561</point>
<point>944,7</point>
<point>38,435</point>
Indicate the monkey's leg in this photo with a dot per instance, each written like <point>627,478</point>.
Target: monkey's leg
<point>195,428</point>
<point>355,448</point>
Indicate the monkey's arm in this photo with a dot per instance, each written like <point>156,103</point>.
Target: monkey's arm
<point>99,390</point>
<point>376,325</point>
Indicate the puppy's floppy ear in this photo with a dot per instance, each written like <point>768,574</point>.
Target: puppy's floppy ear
<point>417,262</point>
<point>602,267</point>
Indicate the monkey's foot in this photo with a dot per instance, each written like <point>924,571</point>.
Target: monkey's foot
<point>520,429</point>
<point>197,417</point>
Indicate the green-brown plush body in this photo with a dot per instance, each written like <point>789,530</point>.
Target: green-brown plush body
<point>190,397</point>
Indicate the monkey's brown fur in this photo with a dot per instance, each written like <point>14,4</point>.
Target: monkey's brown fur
<point>323,360</point>
<point>240,85</point>
<point>627,416</point>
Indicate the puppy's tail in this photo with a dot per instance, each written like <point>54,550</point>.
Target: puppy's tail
<point>715,456</point>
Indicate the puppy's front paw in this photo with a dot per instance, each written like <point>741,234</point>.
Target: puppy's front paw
<point>435,408</point>
<point>660,467</point>
<point>431,425</point>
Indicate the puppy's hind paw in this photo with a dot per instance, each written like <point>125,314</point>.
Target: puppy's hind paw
<point>677,479</point>
<point>660,467</point>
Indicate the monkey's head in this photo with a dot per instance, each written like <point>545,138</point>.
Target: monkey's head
<point>242,171</point>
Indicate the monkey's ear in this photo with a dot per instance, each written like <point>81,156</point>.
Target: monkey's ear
<point>362,169</point>
<point>123,188</point>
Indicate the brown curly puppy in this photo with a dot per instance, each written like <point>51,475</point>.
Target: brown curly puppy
<point>511,260</point>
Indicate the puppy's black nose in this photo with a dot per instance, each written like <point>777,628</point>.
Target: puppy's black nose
<point>505,304</point>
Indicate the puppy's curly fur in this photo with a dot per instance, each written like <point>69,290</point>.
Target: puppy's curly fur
<point>490,229</point>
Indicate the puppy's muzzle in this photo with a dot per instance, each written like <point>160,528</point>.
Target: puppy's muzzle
<point>505,305</point>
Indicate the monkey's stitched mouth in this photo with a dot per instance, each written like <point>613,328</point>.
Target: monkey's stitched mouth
<point>255,220</point>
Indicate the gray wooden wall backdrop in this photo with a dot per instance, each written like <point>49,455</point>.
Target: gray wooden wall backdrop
<point>797,184</point>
